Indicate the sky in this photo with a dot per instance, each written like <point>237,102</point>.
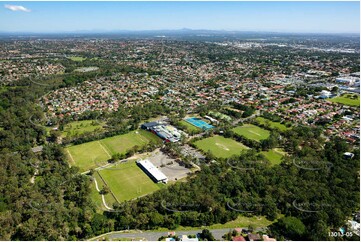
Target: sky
<point>295,17</point>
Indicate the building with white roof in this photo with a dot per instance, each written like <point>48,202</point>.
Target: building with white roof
<point>153,172</point>
<point>325,94</point>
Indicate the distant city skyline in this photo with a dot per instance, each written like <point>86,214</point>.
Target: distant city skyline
<point>291,17</point>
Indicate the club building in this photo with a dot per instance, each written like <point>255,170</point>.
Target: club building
<point>166,132</point>
<point>153,172</point>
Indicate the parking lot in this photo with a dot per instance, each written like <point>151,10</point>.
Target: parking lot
<point>168,166</point>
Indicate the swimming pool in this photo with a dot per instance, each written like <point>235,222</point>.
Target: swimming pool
<point>199,123</point>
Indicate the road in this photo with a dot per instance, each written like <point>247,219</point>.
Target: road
<point>154,236</point>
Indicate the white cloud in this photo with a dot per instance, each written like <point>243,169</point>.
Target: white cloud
<point>16,8</point>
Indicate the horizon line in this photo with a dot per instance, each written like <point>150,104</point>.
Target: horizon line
<point>171,30</point>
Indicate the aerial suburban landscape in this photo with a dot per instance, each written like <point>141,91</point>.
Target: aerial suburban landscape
<point>177,134</point>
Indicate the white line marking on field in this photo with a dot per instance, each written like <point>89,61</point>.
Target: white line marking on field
<point>222,146</point>
<point>101,145</point>
<point>71,157</point>
<point>142,138</point>
<point>253,132</point>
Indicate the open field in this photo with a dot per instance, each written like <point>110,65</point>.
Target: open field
<point>244,222</point>
<point>122,143</point>
<point>79,127</point>
<point>88,155</point>
<point>347,100</point>
<point>93,154</point>
<point>220,147</point>
<point>274,155</point>
<point>272,124</point>
<point>239,222</point>
<point>251,131</point>
<point>128,181</point>
<point>76,58</point>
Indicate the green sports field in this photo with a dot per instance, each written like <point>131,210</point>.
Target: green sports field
<point>93,154</point>
<point>220,147</point>
<point>251,131</point>
<point>274,155</point>
<point>128,181</point>
<point>77,58</point>
<point>88,155</point>
<point>347,100</point>
<point>79,127</point>
<point>272,124</point>
<point>122,143</point>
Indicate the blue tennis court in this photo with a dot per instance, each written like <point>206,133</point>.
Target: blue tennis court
<point>199,123</point>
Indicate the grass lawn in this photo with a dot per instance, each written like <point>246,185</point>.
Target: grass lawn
<point>251,131</point>
<point>272,124</point>
<point>88,155</point>
<point>79,127</point>
<point>129,181</point>
<point>122,143</point>
<point>93,154</point>
<point>97,198</point>
<point>77,58</point>
<point>274,155</point>
<point>220,147</point>
<point>346,100</point>
<point>188,127</point>
<point>242,221</point>
<point>239,222</point>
